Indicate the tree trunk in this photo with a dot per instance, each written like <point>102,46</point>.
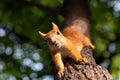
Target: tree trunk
<point>76,12</point>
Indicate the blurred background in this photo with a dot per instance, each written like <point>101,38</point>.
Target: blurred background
<point>24,55</point>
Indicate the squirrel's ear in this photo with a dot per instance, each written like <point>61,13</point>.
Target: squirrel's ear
<point>42,34</point>
<point>54,26</point>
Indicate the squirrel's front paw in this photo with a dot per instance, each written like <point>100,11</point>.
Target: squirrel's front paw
<point>60,73</point>
<point>85,60</point>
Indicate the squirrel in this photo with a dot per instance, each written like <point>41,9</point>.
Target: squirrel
<point>69,43</point>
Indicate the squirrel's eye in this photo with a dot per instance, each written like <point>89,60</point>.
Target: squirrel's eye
<point>58,33</point>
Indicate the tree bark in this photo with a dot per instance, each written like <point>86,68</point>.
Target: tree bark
<point>77,13</point>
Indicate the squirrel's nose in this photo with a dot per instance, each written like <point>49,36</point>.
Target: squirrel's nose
<point>54,43</point>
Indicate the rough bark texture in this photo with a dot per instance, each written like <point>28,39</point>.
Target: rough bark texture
<point>81,71</point>
<point>76,12</point>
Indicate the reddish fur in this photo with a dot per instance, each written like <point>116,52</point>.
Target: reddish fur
<point>72,42</point>
<point>77,38</point>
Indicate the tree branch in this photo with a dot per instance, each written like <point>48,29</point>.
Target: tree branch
<point>35,4</point>
<point>77,13</point>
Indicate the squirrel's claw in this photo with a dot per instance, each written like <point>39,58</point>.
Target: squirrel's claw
<point>60,73</point>
<point>85,60</point>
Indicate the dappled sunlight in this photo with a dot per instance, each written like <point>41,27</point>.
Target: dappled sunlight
<point>33,76</point>
<point>37,66</point>
<point>26,54</point>
<point>36,57</point>
<point>2,65</point>
<point>12,36</point>
<point>112,47</point>
<point>2,48</point>
<point>105,34</point>
<point>8,50</point>
<point>48,77</point>
<point>11,78</point>
<point>117,6</point>
<point>25,77</point>
<point>105,63</point>
<point>27,62</point>
<point>18,54</point>
<point>2,32</point>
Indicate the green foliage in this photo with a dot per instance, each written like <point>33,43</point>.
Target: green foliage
<point>24,55</point>
<point>105,34</point>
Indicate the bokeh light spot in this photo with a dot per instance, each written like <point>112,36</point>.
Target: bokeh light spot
<point>37,66</point>
<point>8,50</point>
<point>27,62</point>
<point>36,56</point>
<point>2,32</point>
<point>48,77</point>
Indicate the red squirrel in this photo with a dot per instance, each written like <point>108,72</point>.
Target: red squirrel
<point>69,43</point>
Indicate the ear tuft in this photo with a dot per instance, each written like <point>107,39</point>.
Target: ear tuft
<point>42,34</point>
<point>54,26</point>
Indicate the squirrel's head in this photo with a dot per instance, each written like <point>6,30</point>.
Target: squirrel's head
<point>54,37</point>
